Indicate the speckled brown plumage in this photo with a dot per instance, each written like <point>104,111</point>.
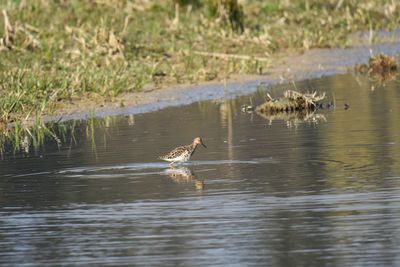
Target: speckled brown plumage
<point>182,153</point>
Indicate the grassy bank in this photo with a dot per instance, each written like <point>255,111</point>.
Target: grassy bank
<point>54,52</point>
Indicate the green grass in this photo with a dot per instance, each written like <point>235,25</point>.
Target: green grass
<point>60,51</point>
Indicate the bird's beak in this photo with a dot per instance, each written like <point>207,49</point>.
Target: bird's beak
<point>203,144</point>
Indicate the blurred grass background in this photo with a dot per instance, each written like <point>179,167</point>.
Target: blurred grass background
<point>53,52</point>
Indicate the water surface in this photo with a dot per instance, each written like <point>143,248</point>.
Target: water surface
<point>325,192</point>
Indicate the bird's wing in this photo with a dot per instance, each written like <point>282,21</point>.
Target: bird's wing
<point>177,151</point>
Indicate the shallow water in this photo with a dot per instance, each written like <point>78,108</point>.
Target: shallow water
<point>315,193</point>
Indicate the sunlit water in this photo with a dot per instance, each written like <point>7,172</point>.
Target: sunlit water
<point>264,193</point>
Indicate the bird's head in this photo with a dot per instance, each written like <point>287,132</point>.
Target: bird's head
<point>198,141</point>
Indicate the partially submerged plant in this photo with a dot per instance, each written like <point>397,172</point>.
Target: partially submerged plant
<point>293,108</point>
<point>380,68</point>
<point>290,102</point>
<point>23,137</point>
<point>379,64</point>
<point>382,64</point>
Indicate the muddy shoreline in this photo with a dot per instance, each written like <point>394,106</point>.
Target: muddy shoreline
<point>286,68</point>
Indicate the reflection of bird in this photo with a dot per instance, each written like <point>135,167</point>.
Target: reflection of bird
<point>182,153</point>
<point>199,184</point>
<point>181,174</point>
<point>184,175</point>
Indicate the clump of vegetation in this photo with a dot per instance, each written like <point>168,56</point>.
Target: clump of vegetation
<point>379,64</point>
<point>380,68</point>
<point>293,107</point>
<point>56,52</point>
<point>382,64</point>
<point>291,101</point>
